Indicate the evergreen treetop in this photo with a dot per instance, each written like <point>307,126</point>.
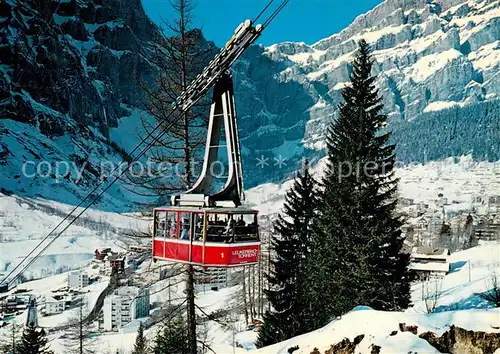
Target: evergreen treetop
<point>33,341</point>
<point>140,346</point>
<point>173,338</point>
<point>357,254</point>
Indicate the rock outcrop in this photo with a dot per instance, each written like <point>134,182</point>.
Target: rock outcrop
<point>458,340</point>
<point>70,73</point>
<point>429,56</point>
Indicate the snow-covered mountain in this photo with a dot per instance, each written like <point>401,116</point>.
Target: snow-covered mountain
<point>70,96</point>
<point>429,56</point>
<point>71,74</point>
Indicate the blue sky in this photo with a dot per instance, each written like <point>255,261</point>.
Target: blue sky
<point>301,21</point>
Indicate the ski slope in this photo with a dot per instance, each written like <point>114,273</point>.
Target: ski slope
<point>24,222</point>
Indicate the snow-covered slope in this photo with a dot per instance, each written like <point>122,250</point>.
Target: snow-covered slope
<point>24,222</point>
<point>376,326</point>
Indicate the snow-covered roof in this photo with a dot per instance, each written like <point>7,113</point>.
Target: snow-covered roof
<point>429,252</point>
<point>51,300</point>
<point>430,267</point>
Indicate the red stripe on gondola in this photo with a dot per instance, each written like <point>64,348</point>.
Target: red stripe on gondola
<point>216,254</point>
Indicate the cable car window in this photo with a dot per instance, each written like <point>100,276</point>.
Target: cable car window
<point>171,225</point>
<point>246,227</point>
<point>217,224</point>
<point>160,223</point>
<point>185,225</point>
<point>198,227</point>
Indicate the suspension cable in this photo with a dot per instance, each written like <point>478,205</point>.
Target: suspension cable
<point>275,13</point>
<point>264,10</point>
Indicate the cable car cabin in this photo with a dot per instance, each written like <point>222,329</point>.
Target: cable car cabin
<point>209,237</point>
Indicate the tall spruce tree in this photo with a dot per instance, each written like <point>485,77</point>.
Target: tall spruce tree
<point>33,342</point>
<point>291,245</point>
<point>357,256</point>
<point>140,346</point>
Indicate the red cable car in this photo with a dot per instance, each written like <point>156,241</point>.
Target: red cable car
<point>209,237</point>
<point>202,226</point>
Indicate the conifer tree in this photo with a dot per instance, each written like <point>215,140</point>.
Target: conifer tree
<point>33,342</point>
<point>10,340</point>
<point>291,245</point>
<point>357,256</point>
<point>140,346</point>
<point>173,338</point>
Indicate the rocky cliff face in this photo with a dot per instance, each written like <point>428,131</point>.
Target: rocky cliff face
<point>70,74</point>
<point>430,56</point>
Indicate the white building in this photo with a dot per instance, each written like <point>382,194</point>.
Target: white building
<point>210,279</point>
<point>54,307</point>
<point>429,262</point>
<point>78,280</point>
<point>125,305</point>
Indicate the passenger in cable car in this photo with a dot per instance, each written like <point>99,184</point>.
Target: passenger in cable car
<point>198,230</point>
<point>161,226</point>
<point>185,229</point>
<point>240,221</point>
<point>229,231</point>
<point>172,231</point>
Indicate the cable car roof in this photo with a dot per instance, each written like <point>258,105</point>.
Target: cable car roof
<point>218,210</point>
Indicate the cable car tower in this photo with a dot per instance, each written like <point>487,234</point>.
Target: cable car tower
<point>202,227</point>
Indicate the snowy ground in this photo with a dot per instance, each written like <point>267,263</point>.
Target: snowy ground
<point>377,326</point>
<point>471,273</point>
<point>25,221</point>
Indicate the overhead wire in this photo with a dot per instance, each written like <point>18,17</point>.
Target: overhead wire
<point>143,152</point>
<point>275,13</point>
<point>263,10</point>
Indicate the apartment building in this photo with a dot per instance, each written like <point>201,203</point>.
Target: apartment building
<point>78,280</point>
<point>126,304</point>
<point>210,279</point>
